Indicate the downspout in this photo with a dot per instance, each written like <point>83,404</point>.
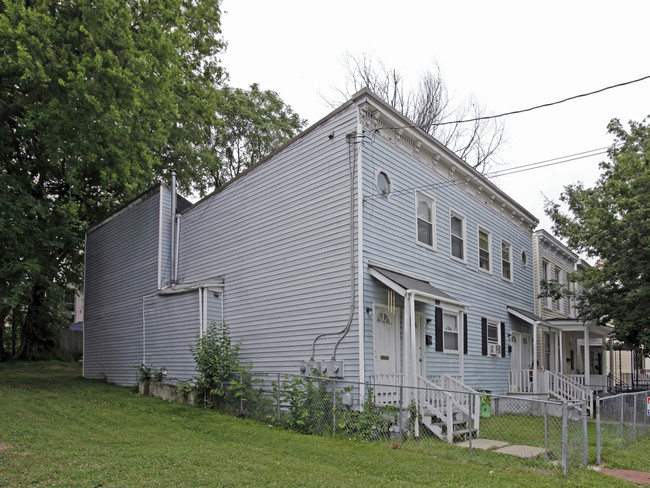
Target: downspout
<point>351,140</point>
<point>205,308</point>
<point>176,247</point>
<point>200,312</point>
<point>360,268</point>
<point>172,241</point>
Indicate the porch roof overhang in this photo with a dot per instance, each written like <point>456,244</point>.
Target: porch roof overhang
<point>577,325</point>
<point>526,316</point>
<point>402,282</point>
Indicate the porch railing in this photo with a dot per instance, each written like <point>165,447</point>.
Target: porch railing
<point>387,388</point>
<point>567,389</point>
<point>461,394</point>
<point>596,381</point>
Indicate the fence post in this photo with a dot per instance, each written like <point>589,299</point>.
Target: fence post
<point>278,395</point>
<point>241,395</point>
<point>585,435</point>
<point>334,409</point>
<point>634,418</point>
<point>470,410</point>
<point>622,413</point>
<point>546,430</point>
<point>598,434</point>
<point>565,435</point>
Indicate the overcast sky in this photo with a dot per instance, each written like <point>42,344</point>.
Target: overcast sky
<point>510,55</point>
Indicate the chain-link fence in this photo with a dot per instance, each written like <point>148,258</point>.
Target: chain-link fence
<point>621,419</point>
<point>454,424</point>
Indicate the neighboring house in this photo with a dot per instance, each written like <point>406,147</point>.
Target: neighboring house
<point>558,351</point>
<point>362,247</point>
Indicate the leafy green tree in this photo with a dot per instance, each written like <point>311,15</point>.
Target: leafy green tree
<point>97,101</point>
<point>611,223</point>
<point>254,123</point>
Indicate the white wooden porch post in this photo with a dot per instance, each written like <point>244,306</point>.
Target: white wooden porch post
<point>587,378</point>
<point>406,346</point>
<point>562,359</point>
<point>534,365</point>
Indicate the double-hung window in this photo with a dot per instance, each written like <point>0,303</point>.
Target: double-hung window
<point>484,247</point>
<point>506,260</point>
<point>572,299</point>
<point>425,217</point>
<point>457,223</point>
<point>546,276</point>
<point>450,332</point>
<point>560,301</point>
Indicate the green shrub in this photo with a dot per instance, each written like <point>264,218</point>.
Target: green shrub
<point>217,362</point>
<point>369,423</point>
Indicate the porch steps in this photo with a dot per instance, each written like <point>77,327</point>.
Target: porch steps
<point>460,428</point>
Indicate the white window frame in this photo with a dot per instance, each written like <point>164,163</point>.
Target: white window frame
<point>509,245</point>
<point>546,276</point>
<point>497,326</point>
<point>457,317</point>
<point>461,217</point>
<point>559,276</point>
<point>489,250</point>
<point>421,195</point>
<point>572,300</point>
<point>388,181</point>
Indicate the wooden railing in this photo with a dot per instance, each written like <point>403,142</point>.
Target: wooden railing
<point>565,388</point>
<point>387,389</point>
<point>439,402</point>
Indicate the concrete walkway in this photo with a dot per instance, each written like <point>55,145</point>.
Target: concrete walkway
<point>638,477</point>
<point>504,448</point>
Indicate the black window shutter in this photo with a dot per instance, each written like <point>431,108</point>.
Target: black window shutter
<point>484,336</point>
<point>438,329</point>
<point>503,339</point>
<point>465,333</point>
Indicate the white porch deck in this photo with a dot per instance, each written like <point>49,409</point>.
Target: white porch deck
<point>565,387</point>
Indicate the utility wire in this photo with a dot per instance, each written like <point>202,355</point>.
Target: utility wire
<point>514,112</point>
<point>505,172</point>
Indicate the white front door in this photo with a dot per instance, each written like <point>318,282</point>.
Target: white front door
<point>522,351</point>
<point>386,341</point>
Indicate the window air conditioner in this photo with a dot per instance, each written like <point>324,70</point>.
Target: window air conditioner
<point>494,350</point>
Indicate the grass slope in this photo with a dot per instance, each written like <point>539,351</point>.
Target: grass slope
<point>57,429</point>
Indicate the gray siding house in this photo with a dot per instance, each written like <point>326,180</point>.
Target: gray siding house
<point>362,247</point>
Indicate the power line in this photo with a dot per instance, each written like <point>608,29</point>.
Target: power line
<point>514,112</point>
<point>517,169</point>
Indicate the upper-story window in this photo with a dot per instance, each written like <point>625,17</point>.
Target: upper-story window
<point>457,223</point>
<point>572,300</point>
<point>546,276</point>
<point>558,278</point>
<point>425,215</point>
<point>506,260</point>
<point>384,186</point>
<point>484,249</point>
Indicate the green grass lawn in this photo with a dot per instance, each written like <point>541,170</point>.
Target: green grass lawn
<point>57,429</point>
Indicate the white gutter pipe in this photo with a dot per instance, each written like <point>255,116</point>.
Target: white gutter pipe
<point>172,240</point>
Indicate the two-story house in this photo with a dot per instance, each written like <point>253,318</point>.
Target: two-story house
<point>363,247</point>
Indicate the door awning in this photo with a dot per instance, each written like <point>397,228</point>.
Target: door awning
<point>423,290</point>
<point>526,316</point>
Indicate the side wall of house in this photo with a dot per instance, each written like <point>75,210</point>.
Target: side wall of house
<point>390,238</point>
<point>279,235</point>
<point>121,268</point>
